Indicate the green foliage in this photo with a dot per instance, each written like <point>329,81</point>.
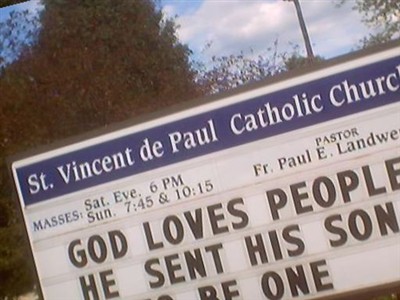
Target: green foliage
<point>231,71</point>
<point>108,61</point>
<point>382,16</point>
<point>95,62</point>
<point>16,270</point>
<point>296,61</point>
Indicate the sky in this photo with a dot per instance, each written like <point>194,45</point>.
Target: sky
<point>11,53</point>
<point>232,26</point>
<point>32,5</point>
<point>223,27</point>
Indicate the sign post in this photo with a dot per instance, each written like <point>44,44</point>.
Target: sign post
<point>286,190</point>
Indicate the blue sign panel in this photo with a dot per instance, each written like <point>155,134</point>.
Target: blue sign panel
<point>260,117</point>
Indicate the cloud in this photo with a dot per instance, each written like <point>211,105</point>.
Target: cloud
<point>235,25</point>
<point>333,30</point>
<point>232,26</point>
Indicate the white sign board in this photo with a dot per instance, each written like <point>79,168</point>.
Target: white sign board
<point>288,190</point>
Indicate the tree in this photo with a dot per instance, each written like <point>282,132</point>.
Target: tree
<point>382,16</point>
<point>17,33</point>
<point>74,70</point>
<point>95,62</point>
<point>230,71</point>
<point>295,60</point>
